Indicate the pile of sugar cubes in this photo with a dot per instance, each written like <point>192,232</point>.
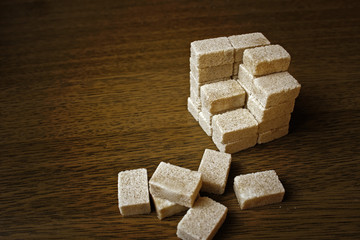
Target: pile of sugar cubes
<point>240,90</point>
<point>176,189</point>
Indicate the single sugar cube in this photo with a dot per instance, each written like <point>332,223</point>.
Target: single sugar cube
<point>176,184</point>
<point>265,60</point>
<point>202,221</point>
<point>265,114</point>
<point>211,74</point>
<point>133,192</point>
<point>222,96</point>
<point>280,121</point>
<point>246,80</point>
<point>258,189</point>
<point>244,41</point>
<point>205,125</point>
<point>233,147</point>
<point>212,52</point>
<point>165,208</point>
<point>273,134</point>
<point>214,168</point>
<point>233,125</point>
<point>193,109</point>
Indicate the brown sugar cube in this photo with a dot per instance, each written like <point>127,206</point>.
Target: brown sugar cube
<point>233,147</point>
<point>280,121</point>
<point>273,134</point>
<point>270,90</point>
<point>265,60</point>
<point>244,41</point>
<point>212,52</point>
<point>222,96</point>
<point>204,124</point>
<point>176,184</point>
<point>258,189</point>
<point>211,74</point>
<point>193,109</point>
<point>265,114</point>
<point>233,125</point>
<point>214,168</point>
<point>133,192</point>
<point>202,221</point>
<point>165,208</point>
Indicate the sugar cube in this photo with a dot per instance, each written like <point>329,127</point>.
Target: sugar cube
<point>164,208</point>
<point>258,189</point>
<point>273,134</point>
<point>205,125</point>
<point>240,144</point>
<point>133,192</point>
<point>193,109</point>
<point>278,122</point>
<point>211,74</point>
<point>203,220</point>
<point>265,60</point>
<point>212,52</point>
<point>214,168</point>
<point>176,184</point>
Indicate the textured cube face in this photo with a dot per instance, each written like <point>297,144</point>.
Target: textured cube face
<point>212,52</point>
<point>258,189</point>
<point>265,60</point>
<point>273,134</point>
<point>245,41</point>
<point>203,220</point>
<point>214,168</point>
<point>133,193</point>
<point>165,208</point>
<point>176,184</point>
<point>222,96</point>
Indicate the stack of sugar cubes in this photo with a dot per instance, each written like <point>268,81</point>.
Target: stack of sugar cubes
<point>240,90</point>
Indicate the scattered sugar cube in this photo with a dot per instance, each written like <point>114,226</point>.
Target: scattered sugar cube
<point>272,89</point>
<point>258,189</point>
<point>214,168</point>
<point>233,147</point>
<point>265,114</point>
<point>244,41</point>
<point>176,184</point>
<point>133,192</point>
<point>205,125</point>
<point>273,134</point>
<point>212,52</point>
<point>233,125</point>
<point>266,60</point>
<point>222,96</point>
<point>211,74</point>
<point>278,122</point>
<point>193,109</point>
<point>203,220</point>
<point>165,208</point>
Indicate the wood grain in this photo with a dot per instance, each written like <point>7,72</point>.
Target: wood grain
<point>91,88</point>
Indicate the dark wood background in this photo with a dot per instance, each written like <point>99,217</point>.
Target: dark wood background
<point>91,88</point>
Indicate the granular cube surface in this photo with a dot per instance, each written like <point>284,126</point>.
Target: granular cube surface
<point>165,208</point>
<point>273,134</point>
<point>133,192</point>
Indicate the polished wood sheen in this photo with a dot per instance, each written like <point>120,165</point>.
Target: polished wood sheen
<point>91,88</point>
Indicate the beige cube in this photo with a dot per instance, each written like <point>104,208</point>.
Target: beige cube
<point>258,189</point>
<point>211,74</point>
<point>164,208</point>
<point>193,109</point>
<point>273,134</point>
<point>207,115</point>
<point>244,41</point>
<point>272,89</point>
<point>133,192</point>
<point>205,125</point>
<point>233,125</point>
<point>233,147</point>
<point>265,114</point>
<point>214,168</point>
<point>202,221</point>
<point>265,60</point>
<point>212,52</point>
<point>222,96</point>
<point>278,122</point>
<point>176,184</point>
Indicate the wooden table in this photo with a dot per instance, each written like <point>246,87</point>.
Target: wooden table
<point>91,88</point>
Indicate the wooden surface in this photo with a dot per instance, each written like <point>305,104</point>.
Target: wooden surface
<point>91,88</point>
